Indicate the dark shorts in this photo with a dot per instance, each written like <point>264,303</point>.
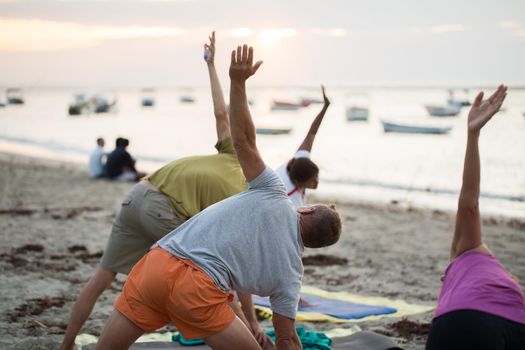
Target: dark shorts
<point>470,329</point>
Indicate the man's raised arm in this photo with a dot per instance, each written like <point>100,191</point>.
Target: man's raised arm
<point>310,136</point>
<point>242,128</point>
<point>467,234</point>
<point>219,106</point>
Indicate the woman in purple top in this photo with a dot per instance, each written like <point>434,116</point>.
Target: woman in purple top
<point>480,305</point>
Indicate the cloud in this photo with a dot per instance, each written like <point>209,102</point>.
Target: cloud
<point>510,24</point>
<point>336,32</point>
<point>447,28</point>
<point>43,35</point>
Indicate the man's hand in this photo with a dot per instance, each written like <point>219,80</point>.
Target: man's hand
<point>242,67</point>
<point>262,338</point>
<point>482,111</point>
<point>209,49</point>
<point>326,100</point>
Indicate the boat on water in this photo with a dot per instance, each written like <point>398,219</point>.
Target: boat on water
<point>14,96</point>
<point>186,99</point>
<point>281,105</point>
<point>355,113</point>
<point>443,111</point>
<point>148,99</point>
<point>96,104</point>
<point>273,131</point>
<point>452,100</point>
<point>306,101</point>
<point>414,129</point>
<point>358,106</point>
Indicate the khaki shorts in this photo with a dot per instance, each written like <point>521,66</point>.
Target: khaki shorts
<point>163,287</point>
<point>145,217</point>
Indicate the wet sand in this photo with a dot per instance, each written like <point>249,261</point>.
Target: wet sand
<point>55,222</point>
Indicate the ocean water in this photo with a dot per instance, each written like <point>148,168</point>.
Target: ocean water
<point>358,161</point>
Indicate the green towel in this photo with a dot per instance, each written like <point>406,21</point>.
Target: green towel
<point>310,340</point>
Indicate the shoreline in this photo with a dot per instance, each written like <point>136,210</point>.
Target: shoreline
<point>348,196</point>
<point>49,251</point>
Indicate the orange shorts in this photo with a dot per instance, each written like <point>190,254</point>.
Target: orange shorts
<point>163,287</point>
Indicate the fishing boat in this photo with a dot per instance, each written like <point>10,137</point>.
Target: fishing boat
<point>443,111</point>
<point>186,99</point>
<point>414,129</point>
<point>358,106</point>
<point>452,100</point>
<point>273,131</point>
<point>280,105</point>
<point>357,113</point>
<point>148,99</point>
<point>96,104</point>
<point>14,96</point>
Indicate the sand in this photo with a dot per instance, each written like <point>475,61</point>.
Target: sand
<point>55,222</point>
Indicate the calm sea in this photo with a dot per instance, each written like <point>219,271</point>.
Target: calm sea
<point>358,161</point>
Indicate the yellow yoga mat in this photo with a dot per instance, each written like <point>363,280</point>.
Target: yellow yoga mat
<point>403,308</point>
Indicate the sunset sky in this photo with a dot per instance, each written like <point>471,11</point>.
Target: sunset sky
<point>159,42</point>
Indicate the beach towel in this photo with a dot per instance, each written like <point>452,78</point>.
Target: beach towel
<point>357,308</point>
<point>310,340</point>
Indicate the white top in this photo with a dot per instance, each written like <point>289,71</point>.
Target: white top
<point>295,195</point>
<point>96,168</point>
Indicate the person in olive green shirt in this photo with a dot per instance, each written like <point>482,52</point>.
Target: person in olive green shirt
<point>161,202</point>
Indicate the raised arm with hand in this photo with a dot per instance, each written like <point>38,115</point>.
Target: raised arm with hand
<point>241,124</point>
<point>219,106</point>
<point>308,141</point>
<point>467,235</point>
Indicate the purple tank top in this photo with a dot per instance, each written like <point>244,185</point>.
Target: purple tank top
<point>478,281</point>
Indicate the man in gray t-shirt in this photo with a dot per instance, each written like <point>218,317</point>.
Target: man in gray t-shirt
<point>251,243</point>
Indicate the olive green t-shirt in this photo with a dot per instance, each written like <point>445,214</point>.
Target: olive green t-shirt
<point>194,183</point>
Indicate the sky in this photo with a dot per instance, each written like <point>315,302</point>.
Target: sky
<point>140,43</point>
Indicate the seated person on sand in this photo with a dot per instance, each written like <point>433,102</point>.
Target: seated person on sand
<point>300,173</point>
<point>250,243</point>
<point>96,164</point>
<point>160,203</point>
<point>480,305</point>
<point>120,166</point>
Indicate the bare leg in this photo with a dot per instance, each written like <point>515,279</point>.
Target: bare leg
<point>119,333</point>
<point>236,336</point>
<point>87,298</point>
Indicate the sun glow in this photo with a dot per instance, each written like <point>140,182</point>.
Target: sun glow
<point>272,35</point>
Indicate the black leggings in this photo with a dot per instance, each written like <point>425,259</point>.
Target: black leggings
<point>469,329</point>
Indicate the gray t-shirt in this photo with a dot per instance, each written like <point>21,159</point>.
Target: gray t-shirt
<point>250,242</point>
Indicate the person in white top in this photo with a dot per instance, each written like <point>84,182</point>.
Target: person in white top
<point>300,173</point>
<point>96,166</point>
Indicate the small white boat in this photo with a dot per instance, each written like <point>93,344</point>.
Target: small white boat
<point>14,96</point>
<point>96,104</point>
<point>452,100</point>
<point>186,99</point>
<point>148,99</point>
<point>280,105</point>
<point>443,111</point>
<point>357,113</point>
<point>413,129</point>
<point>273,131</point>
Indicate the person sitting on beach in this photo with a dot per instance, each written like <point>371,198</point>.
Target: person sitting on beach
<point>163,201</point>
<point>120,166</point>
<point>480,305</point>
<point>96,165</point>
<point>300,173</point>
<point>250,243</point>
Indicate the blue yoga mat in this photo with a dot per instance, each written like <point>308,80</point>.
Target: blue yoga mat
<point>334,307</point>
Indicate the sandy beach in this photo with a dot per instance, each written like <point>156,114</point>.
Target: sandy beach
<point>55,222</point>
